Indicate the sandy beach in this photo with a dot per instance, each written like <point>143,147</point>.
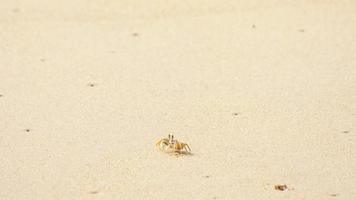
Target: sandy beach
<point>263,92</point>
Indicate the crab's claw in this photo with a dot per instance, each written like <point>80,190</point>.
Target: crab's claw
<point>158,142</point>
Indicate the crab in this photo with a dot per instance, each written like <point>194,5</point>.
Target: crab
<point>170,145</point>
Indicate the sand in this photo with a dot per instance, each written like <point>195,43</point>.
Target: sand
<point>264,93</point>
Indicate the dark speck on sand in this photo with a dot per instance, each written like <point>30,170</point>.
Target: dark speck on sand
<point>94,192</point>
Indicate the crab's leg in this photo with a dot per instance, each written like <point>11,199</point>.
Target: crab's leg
<point>186,146</point>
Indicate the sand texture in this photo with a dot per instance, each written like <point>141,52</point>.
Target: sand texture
<point>264,92</point>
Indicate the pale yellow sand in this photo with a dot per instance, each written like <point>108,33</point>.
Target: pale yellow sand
<point>98,82</point>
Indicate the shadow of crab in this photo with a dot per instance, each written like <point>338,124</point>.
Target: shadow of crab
<point>179,154</point>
